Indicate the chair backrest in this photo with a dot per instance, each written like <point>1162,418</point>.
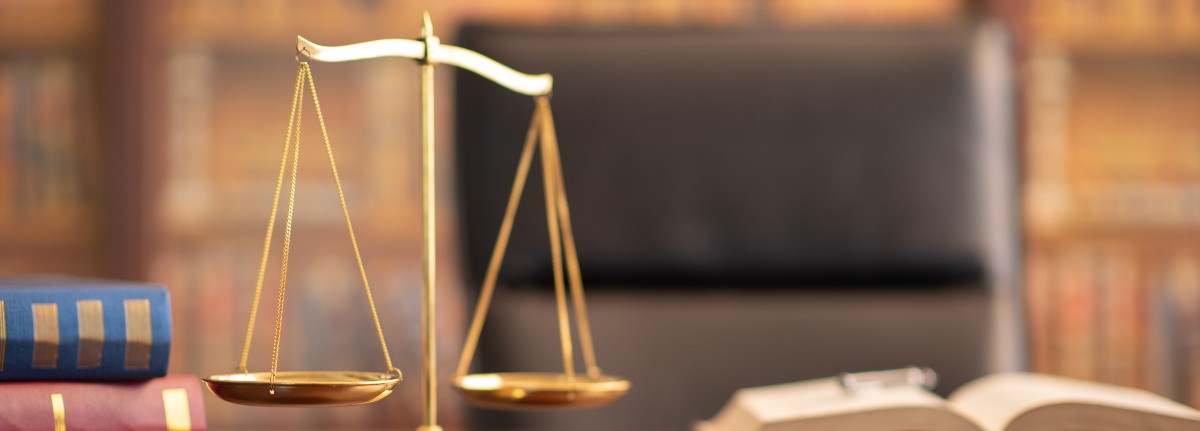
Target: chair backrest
<point>820,157</point>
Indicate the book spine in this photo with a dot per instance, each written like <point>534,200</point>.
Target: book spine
<point>1039,299</point>
<point>1166,363</point>
<point>1075,324</point>
<point>1183,290</point>
<point>168,403</point>
<point>1120,321</point>
<point>101,333</point>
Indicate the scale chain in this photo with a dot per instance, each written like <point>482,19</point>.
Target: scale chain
<point>287,238</point>
<point>556,258</point>
<point>294,122</point>
<point>562,241</point>
<point>262,266</point>
<point>575,279</point>
<point>506,225</point>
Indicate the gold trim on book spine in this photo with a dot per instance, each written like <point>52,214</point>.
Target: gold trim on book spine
<point>60,412</point>
<point>175,404</point>
<point>138,336</point>
<point>91,333</point>
<point>45,335</point>
<point>3,335</point>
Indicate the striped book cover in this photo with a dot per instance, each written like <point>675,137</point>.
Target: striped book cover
<point>70,328</point>
<point>172,403</point>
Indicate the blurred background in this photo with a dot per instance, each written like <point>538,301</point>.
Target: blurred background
<point>140,140</point>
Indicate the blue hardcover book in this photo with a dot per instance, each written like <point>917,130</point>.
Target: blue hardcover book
<point>71,328</point>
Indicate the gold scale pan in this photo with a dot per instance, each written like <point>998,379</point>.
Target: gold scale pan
<point>497,390</point>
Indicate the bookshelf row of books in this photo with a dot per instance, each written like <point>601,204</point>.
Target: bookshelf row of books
<point>1111,142</point>
<point>46,24</point>
<point>85,353</point>
<point>39,113</point>
<point>1170,205</point>
<point>46,163</point>
<point>228,117</point>
<point>710,13</point>
<point>1107,313</point>
<point>1116,25</point>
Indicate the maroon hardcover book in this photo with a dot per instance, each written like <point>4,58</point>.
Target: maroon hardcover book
<point>170,403</point>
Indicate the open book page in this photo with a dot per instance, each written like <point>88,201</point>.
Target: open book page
<point>823,405</point>
<point>996,402</point>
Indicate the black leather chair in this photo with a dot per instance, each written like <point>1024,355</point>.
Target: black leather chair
<point>751,208</point>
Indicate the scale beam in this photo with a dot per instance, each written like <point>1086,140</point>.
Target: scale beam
<point>531,85</point>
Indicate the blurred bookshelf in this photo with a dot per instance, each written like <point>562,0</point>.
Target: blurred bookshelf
<point>51,25</point>
<point>1112,191</point>
<point>49,163</point>
<point>1110,146</point>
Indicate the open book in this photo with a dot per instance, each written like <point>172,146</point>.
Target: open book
<point>1010,401</point>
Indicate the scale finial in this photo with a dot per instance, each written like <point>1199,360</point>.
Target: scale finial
<point>426,25</point>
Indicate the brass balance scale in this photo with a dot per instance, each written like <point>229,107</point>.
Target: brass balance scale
<point>496,390</point>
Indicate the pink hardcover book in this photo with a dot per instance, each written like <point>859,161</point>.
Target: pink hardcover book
<point>170,403</point>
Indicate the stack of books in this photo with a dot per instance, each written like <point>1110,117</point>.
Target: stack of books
<point>79,353</point>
